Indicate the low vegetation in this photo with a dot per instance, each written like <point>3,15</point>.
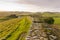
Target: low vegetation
<point>12,29</point>
<point>16,26</point>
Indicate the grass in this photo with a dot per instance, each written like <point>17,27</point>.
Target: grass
<point>57,20</point>
<point>22,27</point>
<point>55,16</point>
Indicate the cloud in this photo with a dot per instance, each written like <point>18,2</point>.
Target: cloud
<point>30,5</point>
<point>45,3</point>
<point>11,6</point>
<point>50,5</point>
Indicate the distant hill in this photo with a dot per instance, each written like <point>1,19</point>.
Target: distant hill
<point>3,14</point>
<point>7,13</point>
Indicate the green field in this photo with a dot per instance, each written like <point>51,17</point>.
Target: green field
<point>56,17</point>
<point>57,20</point>
<point>15,29</point>
<point>18,28</point>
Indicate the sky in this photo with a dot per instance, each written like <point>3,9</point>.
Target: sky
<point>30,5</point>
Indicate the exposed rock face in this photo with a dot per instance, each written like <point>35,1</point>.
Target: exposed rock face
<point>37,32</point>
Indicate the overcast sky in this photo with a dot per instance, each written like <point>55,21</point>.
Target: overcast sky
<point>30,5</point>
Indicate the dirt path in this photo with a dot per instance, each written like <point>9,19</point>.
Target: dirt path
<point>37,32</point>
